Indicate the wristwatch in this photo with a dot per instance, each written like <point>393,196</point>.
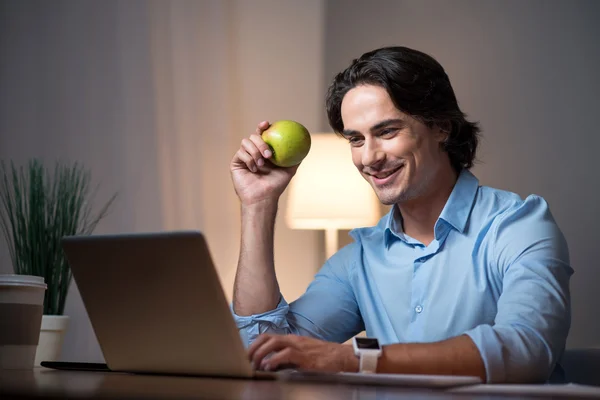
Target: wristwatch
<point>369,351</point>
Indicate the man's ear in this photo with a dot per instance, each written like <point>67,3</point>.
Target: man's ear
<point>443,131</point>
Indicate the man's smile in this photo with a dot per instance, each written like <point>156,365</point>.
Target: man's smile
<point>383,177</point>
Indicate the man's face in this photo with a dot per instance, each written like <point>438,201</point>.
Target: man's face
<point>399,156</point>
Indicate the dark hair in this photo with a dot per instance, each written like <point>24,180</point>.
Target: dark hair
<point>418,86</point>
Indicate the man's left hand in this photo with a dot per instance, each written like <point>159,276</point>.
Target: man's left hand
<point>301,352</point>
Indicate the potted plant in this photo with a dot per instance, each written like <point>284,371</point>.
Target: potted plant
<point>38,206</point>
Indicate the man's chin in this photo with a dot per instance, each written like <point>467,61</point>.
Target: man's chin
<point>388,199</point>
<point>390,196</point>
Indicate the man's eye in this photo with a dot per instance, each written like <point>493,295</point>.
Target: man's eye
<point>388,132</point>
<point>355,140</point>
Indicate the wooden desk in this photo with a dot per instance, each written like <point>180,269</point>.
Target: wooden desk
<point>52,384</point>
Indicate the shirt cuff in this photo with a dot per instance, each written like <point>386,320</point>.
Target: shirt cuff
<point>490,348</point>
<point>273,321</point>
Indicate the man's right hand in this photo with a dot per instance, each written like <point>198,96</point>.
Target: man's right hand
<point>254,177</point>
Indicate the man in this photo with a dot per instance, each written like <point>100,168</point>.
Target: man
<point>456,279</point>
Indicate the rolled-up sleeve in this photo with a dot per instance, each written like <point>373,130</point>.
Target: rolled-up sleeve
<point>327,310</point>
<point>533,316</point>
<point>274,321</point>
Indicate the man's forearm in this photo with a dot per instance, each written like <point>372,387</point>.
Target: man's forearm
<point>256,289</point>
<point>456,356</point>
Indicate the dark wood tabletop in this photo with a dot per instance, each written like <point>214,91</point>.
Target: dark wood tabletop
<point>53,384</point>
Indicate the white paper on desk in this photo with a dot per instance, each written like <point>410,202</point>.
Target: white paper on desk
<point>569,389</point>
<point>406,380</point>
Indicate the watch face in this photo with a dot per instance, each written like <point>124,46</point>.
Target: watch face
<point>367,343</point>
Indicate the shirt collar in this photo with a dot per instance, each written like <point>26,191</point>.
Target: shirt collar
<point>393,226</point>
<point>456,211</point>
<point>458,207</point>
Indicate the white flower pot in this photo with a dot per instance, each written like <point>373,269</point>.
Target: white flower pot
<point>52,334</point>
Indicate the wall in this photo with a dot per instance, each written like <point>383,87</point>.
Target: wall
<point>72,89</point>
<point>528,72</point>
<point>154,97</point>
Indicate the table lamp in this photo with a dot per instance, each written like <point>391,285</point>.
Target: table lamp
<point>329,193</point>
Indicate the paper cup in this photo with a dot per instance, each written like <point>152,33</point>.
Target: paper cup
<point>21,309</point>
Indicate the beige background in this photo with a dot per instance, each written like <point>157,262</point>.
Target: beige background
<point>154,97</point>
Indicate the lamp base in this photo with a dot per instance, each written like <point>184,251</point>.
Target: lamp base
<point>331,242</point>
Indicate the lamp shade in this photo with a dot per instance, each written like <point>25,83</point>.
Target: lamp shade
<point>328,192</point>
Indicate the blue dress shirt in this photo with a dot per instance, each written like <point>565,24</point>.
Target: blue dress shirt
<point>498,271</point>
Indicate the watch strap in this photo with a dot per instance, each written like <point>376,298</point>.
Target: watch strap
<point>368,362</point>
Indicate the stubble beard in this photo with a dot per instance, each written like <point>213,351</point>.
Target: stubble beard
<point>388,195</point>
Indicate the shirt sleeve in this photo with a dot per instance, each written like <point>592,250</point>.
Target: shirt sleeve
<point>534,310</point>
<point>328,310</point>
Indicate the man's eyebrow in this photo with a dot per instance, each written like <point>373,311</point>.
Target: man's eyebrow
<point>386,122</point>
<point>376,127</point>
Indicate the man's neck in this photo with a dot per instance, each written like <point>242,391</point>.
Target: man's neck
<point>420,215</point>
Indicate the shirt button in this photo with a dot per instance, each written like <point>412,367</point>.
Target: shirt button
<point>418,309</point>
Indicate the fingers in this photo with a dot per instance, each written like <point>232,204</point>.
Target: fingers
<point>259,341</point>
<point>253,150</point>
<point>274,343</point>
<point>267,344</point>
<point>257,149</point>
<point>286,357</point>
<point>251,155</point>
<point>262,126</point>
<point>263,149</point>
<point>245,159</point>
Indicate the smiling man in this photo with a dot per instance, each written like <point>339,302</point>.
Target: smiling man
<point>457,278</point>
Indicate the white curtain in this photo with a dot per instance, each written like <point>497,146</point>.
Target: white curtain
<point>190,45</point>
<point>219,68</point>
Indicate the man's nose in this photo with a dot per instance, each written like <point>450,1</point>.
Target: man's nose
<point>371,154</point>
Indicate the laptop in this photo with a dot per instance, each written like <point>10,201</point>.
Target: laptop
<point>157,306</point>
<point>156,303</point>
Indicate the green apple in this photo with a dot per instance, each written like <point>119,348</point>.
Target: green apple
<point>289,141</point>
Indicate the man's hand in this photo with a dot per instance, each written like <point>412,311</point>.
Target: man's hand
<point>255,178</point>
<point>302,352</point>
<point>455,356</point>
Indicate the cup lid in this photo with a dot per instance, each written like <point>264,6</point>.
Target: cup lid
<point>22,280</point>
